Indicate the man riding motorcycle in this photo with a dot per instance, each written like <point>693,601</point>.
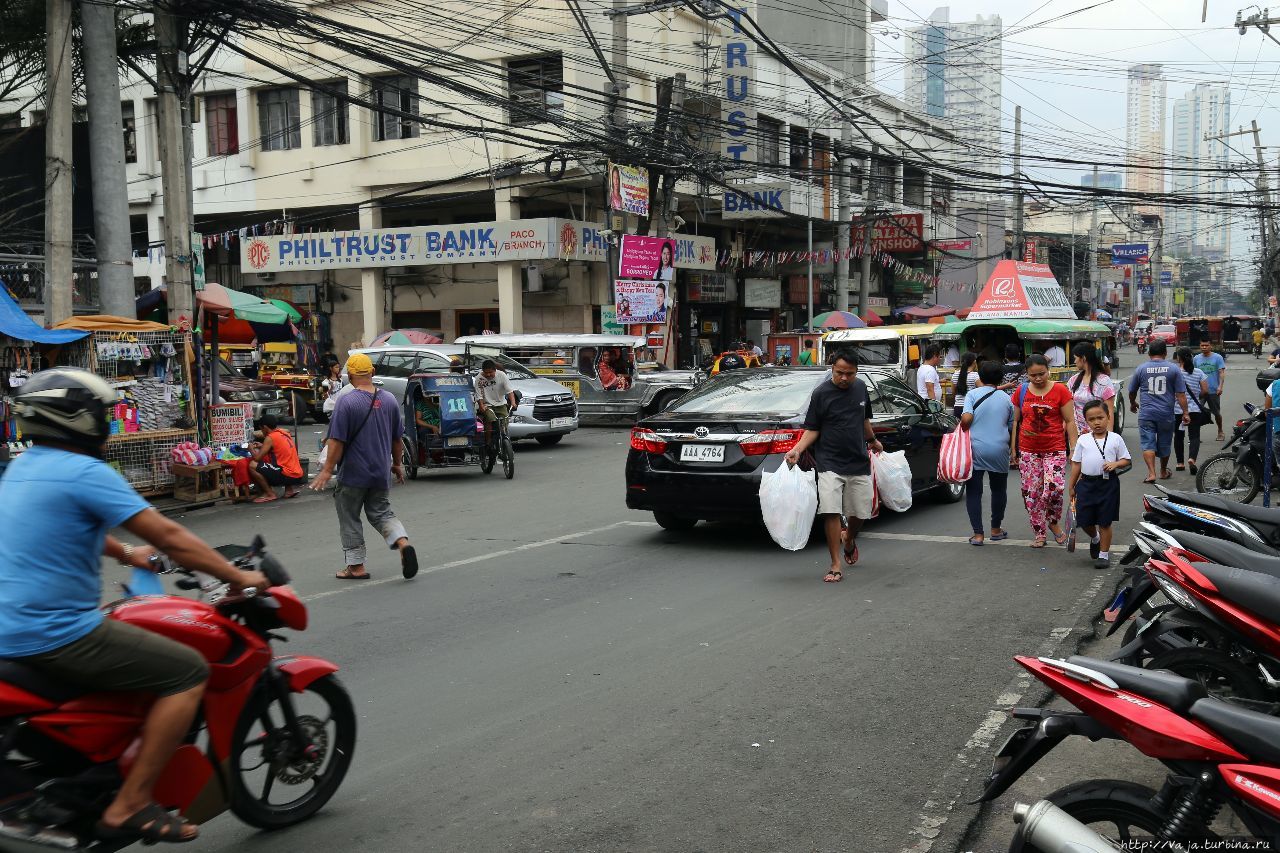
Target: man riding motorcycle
<point>57,501</point>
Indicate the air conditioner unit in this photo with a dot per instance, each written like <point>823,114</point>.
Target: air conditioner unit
<point>267,276</point>
<point>531,279</point>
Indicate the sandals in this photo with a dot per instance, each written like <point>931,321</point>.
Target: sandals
<point>150,824</point>
<point>1061,539</point>
<point>1039,542</point>
<point>348,575</point>
<point>974,540</point>
<point>833,577</point>
<point>1191,465</point>
<point>999,537</point>
<point>408,562</point>
<point>266,499</point>
<point>1165,475</point>
<point>1180,468</point>
<point>290,493</point>
<point>851,554</point>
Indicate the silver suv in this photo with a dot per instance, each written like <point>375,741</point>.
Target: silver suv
<point>547,412</point>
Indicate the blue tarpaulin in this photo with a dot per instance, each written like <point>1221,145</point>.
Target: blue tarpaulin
<point>15,323</point>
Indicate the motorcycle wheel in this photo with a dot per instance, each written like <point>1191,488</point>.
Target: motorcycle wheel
<point>1220,475</point>
<point>261,764</point>
<point>1222,675</point>
<point>508,458</point>
<point>1118,811</point>
<point>1142,657</point>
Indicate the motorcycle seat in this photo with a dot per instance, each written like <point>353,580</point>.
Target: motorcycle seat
<point>1266,516</point>
<point>1256,592</point>
<point>34,681</point>
<point>1228,553</point>
<point>1255,734</point>
<point>1176,693</point>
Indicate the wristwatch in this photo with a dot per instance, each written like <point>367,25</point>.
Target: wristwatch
<point>127,559</point>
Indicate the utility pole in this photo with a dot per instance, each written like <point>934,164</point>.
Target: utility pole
<point>175,161</point>
<point>1267,227</point>
<point>1017,182</point>
<point>864,274</point>
<point>106,157</point>
<point>58,272</point>
<point>1094,285</point>
<point>617,87</point>
<point>855,31</point>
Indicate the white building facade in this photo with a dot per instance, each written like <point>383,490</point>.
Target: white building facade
<point>1145,132</point>
<point>1190,230</point>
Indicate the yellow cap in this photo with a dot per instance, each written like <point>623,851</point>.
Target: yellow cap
<point>359,364</point>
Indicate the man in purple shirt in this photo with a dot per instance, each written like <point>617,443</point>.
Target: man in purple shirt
<point>363,446</point>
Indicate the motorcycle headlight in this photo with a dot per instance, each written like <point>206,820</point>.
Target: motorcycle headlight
<point>1174,593</point>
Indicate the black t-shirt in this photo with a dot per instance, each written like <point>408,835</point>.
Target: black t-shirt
<point>839,416</point>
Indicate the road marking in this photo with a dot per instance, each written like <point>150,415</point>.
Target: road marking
<point>480,558</point>
<point>924,537</point>
<point>942,800</point>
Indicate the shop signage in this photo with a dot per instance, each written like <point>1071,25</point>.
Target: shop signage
<point>609,324</point>
<point>646,258</point>
<point>796,291</point>
<point>1179,296</point>
<point>757,201</point>
<point>629,189</point>
<point>708,287</point>
<point>1148,291</point>
<point>877,302</point>
<point>694,252</point>
<point>739,120</point>
<point>901,233</point>
<point>197,260</point>
<point>641,301</point>
<point>1022,290</point>
<point>1166,277</point>
<point>1128,253</point>
<point>762,293</point>
<point>1029,252</point>
<point>231,424</point>
<point>953,245</point>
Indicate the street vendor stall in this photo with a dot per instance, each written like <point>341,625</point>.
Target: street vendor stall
<point>150,365</point>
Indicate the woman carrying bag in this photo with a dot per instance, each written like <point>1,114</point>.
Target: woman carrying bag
<point>1046,421</point>
<point>1091,382</point>
<point>988,418</point>
<point>965,380</point>
<point>1197,390</point>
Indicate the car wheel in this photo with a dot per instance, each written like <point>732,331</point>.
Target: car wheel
<point>669,521</point>
<point>664,401</point>
<point>948,493</point>
<point>549,440</point>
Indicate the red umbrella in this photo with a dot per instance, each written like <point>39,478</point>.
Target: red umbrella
<point>925,312</point>
<point>871,318</point>
<point>405,336</point>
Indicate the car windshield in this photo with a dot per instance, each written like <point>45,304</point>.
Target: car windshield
<point>225,369</point>
<point>771,391</point>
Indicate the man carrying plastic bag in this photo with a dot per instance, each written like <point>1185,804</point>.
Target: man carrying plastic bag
<point>838,428</point>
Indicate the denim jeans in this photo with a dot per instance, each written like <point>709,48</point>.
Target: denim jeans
<point>999,498</point>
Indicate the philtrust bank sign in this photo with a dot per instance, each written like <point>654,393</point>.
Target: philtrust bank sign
<point>738,140</point>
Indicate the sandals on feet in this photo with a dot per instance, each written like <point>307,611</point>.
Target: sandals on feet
<point>1061,538</point>
<point>999,537</point>
<point>1039,542</point>
<point>149,825</point>
<point>348,575</point>
<point>266,499</point>
<point>833,577</point>
<point>974,540</point>
<point>408,561</point>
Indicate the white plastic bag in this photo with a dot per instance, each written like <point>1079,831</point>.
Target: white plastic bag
<point>892,474</point>
<point>788,502</point>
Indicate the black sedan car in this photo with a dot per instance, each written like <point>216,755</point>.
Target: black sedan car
<point>702,458</point>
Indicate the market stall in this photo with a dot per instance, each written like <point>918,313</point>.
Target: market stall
<point>150,364</point>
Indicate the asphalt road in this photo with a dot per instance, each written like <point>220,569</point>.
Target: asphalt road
<point>565,675</point>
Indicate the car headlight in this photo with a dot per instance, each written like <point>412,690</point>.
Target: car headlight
<point>240,397</point>
<point>1175,593</point>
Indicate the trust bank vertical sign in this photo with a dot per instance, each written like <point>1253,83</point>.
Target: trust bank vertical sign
<point>738,137</point>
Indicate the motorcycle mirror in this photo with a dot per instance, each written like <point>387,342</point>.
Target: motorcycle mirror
<point>257,546</point>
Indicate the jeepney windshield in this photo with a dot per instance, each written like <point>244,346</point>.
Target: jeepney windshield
<point>869,353</point>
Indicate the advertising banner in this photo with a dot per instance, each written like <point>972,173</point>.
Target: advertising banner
<point>902,233</point>
<point>641,301</point>
<point>231,424</point>
<point>757,201</point>
<point>709,287</point>
<point>1029,252</point>
<point>646,258</point>
<point>1166,276</point>
<point>609,324</point>
<point>1021,290</point>
<point>1128,253</point>
<point>629,189</point>
<point>762,293</point>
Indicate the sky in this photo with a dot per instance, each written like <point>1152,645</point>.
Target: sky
<point>1069,75</point>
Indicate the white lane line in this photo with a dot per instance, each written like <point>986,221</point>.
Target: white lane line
<point>925,537</point>
<point>942,799</point>
<point>480,558</point>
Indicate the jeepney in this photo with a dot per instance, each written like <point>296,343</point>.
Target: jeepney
<point>896,348</point>
<point>614,377</point>
<point>279,367</point>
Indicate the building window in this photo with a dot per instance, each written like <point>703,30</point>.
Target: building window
<point>37,118</point>
<point>536,89</point>
<point>913,181</point>
<point>130,126</point>
<point>278,122</point>
<point>770,141</point>
<point>856,167</point>
<point>799,153</point>
<point>882,175</point>
<point>10,121</point>
<point>222,124</point>
<point>821,176</point>
<point>329,114</point>
<point>399,95</point>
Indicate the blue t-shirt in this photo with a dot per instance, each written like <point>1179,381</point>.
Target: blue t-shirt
<point>1212,364</point>
<point>1275,401</point>
<point>989,432</point>
<point>1157,383</point>
<point>366,462</point>
<point>55,510</point>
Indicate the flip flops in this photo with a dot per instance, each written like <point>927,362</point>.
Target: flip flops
<point>974,540</point>
<point>998,537</point>
<point>408,561</point>
<point>348,575</point>
<point>150,824</point>
<point>833,577</point>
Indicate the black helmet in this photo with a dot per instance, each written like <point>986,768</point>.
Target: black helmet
<point>68,405</point>
<point>732,361</point>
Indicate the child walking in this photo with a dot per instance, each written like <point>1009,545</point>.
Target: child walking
<point>1096,464</point>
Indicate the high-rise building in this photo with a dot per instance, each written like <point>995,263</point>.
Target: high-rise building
<point>1144,133</point>
<point>1192,230</point>
<point>953,72</point>
<point>1106,180</point>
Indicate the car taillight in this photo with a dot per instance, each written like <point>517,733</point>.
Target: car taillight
<point>770,441</point>
<point>647,440</point>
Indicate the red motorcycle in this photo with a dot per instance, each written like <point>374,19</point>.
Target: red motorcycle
<point>272,742</point>
<point>1218,753</point>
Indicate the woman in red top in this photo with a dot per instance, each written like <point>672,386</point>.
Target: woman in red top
<point>1045,426</point>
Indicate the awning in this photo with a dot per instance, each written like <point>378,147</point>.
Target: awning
<point>15,323</point>
<point>927,311</point>
<point>108,323</point>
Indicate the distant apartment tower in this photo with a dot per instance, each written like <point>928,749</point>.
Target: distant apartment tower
<point>1106,180</point>
<point>1144,133</point>
<point>1198,168</point>
<point>953,72</point>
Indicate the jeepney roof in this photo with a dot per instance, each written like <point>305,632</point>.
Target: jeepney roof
<point>1026,328</point>
<point>553,341</point>
<point>880,333</point>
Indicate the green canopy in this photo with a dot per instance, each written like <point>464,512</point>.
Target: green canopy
<point>294,314</point>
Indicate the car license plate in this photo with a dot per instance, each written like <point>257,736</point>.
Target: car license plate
<point>702,453</point>
<point>572,385</point>
<point>456,441</point>
<point>561,423</point>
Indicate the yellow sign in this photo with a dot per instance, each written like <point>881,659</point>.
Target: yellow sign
<point>1179,295</point>
<point>572,385</point>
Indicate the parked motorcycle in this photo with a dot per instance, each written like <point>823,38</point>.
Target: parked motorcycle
<point>1217,753</point>
<point>1236,472</point>
<point>272,743</point>
<point>1254,527</point>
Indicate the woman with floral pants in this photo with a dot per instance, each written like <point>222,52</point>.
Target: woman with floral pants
<point>1046,431</point>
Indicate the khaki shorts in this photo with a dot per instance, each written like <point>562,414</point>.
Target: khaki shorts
<point>119,656</point>
<point>844,494</point>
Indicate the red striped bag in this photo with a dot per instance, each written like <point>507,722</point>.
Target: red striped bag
<point>955,457</point>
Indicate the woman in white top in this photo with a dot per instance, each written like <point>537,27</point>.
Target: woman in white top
<point>331,384</point>
<point>965,379</point>
<point>1197,390</point>
<point>1091,382</point>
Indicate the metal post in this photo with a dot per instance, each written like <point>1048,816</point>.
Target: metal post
<point>1017,182</point>
<point>809,228</point>
<point>1094,284</point>
<point>1267,457</point>
<point>171,72</point>
<point>1075,288</point>
<point>106,156</point>
<point>845,211</point>
<point>864,286</point>
<point>58,271</point>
